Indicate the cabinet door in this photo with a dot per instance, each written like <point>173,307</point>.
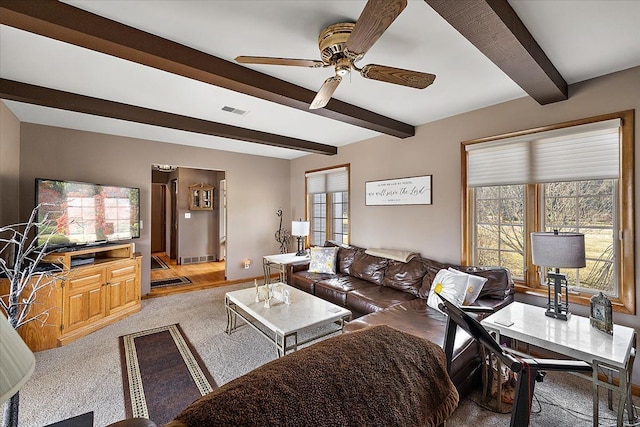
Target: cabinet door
<point>201,197</point>
<point>123,286</point>
<point>46,304</point>
<point>83,298</point>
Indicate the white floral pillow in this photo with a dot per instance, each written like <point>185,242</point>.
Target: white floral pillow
<point>323,259</point>
<point>474,286</point>
<point>450,285</point>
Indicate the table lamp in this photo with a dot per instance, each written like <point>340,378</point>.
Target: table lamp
<point>17,363</point>
<point>300,229</point>
<point>559,250</point>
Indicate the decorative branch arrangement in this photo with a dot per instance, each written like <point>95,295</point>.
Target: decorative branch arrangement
<point>20,256</point>
<point>282,235</point>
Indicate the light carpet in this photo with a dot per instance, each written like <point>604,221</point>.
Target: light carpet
<point>85,375</point>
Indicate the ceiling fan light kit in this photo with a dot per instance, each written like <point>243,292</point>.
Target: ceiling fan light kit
<point>343,44</point>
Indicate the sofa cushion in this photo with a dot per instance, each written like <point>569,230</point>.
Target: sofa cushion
<point>368,267</point>
<point>346,254</point>
<point>336,288</point>
<point>323,260</point>
<point>432,269</point>
<point>375,298</point>
<point>405,277</point>
<point>304,280</point>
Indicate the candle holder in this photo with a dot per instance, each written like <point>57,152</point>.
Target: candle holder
<point>267,299</point>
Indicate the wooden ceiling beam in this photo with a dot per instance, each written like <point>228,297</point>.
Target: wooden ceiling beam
<point>69,24</point>
<point>38,95</point>
<point>496,30</point>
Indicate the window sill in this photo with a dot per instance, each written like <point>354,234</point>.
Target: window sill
<point>575,298</point>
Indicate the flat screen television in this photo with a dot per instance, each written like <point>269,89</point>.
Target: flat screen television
<point>83,213</point>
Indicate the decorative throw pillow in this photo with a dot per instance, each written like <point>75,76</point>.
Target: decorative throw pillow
<point>474,286</point>
<point>323,260</point>
<point>450,285</point>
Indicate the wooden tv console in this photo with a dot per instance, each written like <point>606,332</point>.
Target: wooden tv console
<point>85,297</point>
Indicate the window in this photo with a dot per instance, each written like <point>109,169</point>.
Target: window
<point>587,207</point>
<point>327,195</point>
<point>573,177</point>
<point>499,227</point>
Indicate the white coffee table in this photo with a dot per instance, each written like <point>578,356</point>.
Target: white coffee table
<point>575,338</point>
<point>281,323</point>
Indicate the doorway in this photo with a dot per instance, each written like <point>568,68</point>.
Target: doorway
<point>158,218</point>
<point>188,242</point>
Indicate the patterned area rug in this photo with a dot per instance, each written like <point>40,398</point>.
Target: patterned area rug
<point>180,280</point>
<point>161,373</point>
<point>158,264</point>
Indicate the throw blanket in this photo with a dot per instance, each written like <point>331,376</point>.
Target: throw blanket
<point>377,376</point>
<point>395,254</point>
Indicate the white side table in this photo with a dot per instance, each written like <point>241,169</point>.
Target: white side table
<point>575,338</point>
<point>278,263</point>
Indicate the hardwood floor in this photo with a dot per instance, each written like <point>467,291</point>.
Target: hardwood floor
<point>202,275</point>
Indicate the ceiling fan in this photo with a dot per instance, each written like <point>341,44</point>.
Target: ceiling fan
<point>343,44</point>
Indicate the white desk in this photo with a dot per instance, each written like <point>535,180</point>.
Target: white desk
<point>575,338</point>
<point>279,263</point>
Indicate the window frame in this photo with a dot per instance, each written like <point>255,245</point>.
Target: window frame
<point>626,301</point>
<point>329,204</point>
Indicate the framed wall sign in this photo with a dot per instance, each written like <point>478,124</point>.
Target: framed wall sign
<point>400,191</point>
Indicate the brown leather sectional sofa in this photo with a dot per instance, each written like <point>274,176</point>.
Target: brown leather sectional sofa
<point>381,291</point>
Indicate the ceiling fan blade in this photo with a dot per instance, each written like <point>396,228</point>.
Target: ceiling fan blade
<point>375,18</point>
<point>266,60</point>
<point>326,91</point>
<point>397,76</point>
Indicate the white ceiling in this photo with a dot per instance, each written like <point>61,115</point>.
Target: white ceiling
<point>583,39</point>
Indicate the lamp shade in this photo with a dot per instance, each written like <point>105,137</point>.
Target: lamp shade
<point>561,250</point>
<point>299,228</point>
<point>16,361</point>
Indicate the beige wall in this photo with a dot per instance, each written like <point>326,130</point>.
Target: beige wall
<point>198,235</point>
<point>257,186</point>
<point>9,166</point>
<point>435,230</point>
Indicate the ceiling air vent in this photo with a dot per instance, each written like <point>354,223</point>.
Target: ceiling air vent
<point>234,110</point>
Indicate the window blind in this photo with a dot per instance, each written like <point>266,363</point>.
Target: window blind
<point>328,181</point>
<point>500,164</point>
<point>593,155</point>
<point>581,152</point>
